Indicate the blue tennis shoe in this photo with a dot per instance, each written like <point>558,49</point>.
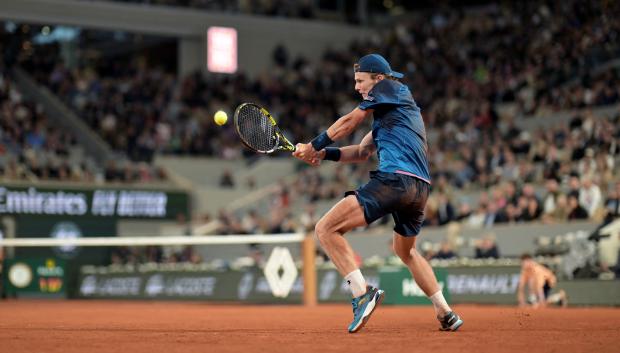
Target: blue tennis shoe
<point>450,322</point>
<point>364,306</point>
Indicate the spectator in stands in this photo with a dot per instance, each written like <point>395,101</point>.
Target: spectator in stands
<point>612,204</point>
<point>308,218</point>
<point>115,259</point>
<point>561,211</point>
<point>445,251</point>
<point>183,224</point>
<point>510,192</point>
<point>574,186</point>
<point>276,220</point>
<point>498,198</point>
<point>289,225</point>
<point>464,211</point>
<point>514,213</point>
<point>532,211</point>
<point>590,197</point>
<point>430,212</point>
<point>252,223</point>
<point>550,199</point>
<point>529,192</point>
<point>494,215</point>
<point>154,254</point>
<point>476,219</point>
<point>426,247</point>
<point>575,210</point>
<point>486,248</point>
<point>551,163</point>
<point>228,223</point>
<point>586,166</point>
<point>189,255</point>
<point>605,166</point>
<point>226,179</point>
<point>445,210</point>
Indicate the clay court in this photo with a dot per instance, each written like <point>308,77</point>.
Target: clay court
<point>104,326</point>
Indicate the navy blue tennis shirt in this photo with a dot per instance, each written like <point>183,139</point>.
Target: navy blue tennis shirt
<point>398,130</point>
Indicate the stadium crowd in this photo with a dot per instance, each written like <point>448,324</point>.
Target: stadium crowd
<point>33,148</point>
<point>457,97</point>
<point>458,67</point>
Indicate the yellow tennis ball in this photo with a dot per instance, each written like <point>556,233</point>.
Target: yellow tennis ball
<point>220,117</point>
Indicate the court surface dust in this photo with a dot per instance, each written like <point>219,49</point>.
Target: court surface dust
<point>112,326</point>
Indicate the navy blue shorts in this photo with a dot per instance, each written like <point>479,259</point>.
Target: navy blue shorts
<point>401,195</point>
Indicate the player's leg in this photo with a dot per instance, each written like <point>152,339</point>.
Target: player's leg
<point>422,272</point>
<point>358,208</point>
<point>408,219</point>
<point>405,249</point>
<point>347,214</point>
<point>344,216</point>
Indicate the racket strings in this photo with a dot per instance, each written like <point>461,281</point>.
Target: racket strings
<point>256,129</point>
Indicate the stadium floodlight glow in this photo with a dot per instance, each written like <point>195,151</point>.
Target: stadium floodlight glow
<point>280,285</point>
<point>222,50</point>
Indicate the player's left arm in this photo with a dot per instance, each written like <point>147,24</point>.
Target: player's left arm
<point>359,153</point>
<point>350,154</point>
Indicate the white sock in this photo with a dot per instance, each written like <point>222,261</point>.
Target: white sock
<point>440,304</point>
<point>357,283</point>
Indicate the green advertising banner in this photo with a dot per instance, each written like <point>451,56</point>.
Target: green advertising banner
<point>96,202</point>
<point>401,288</point>
<point>43,277</point>
<point>66,228</point>
<point>250,286</point>
<point>484,284</point>
<point>140,282</point>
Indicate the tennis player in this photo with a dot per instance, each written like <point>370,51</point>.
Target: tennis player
<point>540,282</point>
<point>400,186</point>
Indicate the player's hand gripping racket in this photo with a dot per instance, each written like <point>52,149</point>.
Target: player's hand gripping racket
<point>258,130</point>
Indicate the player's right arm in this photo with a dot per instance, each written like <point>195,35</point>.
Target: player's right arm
<point>344,126</point>
<point>310,152</point>
<point>356,153</point>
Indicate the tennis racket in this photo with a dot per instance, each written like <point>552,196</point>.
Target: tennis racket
<point>258,130</point>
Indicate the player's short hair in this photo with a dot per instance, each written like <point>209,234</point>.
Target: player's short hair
<point>526,256</point>
<point>373,75</point>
